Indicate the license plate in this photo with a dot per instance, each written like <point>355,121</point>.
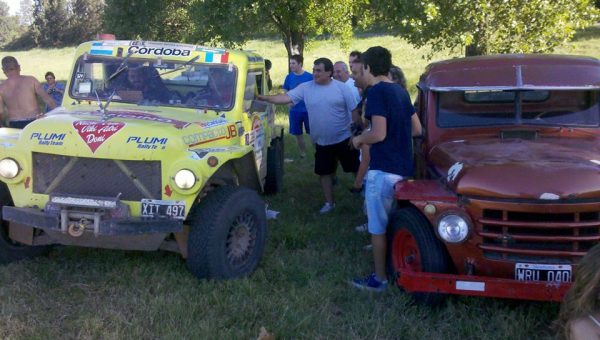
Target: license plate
<point>543,272</point>
<point>161,208</point>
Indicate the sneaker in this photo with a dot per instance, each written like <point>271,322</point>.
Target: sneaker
<point>370,283</point>
<point>302,154</point>
<point>327,207</point>
<point>368,247</point>
<point>362,228</point>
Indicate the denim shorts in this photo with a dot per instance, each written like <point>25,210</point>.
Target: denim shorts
<point>379,198</point>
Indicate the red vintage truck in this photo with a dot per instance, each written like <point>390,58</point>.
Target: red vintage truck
<point>506,197</point>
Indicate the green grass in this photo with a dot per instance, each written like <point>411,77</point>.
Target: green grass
<point>300,289</point>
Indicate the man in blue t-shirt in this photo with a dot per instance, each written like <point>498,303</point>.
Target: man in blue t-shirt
<point>298,113</point>
<point>55,90</point>
<point>389,109</point>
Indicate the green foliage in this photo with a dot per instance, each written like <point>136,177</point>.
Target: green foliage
<point>64,22</point>
<point>9,25</point>
<point>49,21</point>
<point>85,20</point>
<point>509,26</point>
<point>148,19</point>
<point>235,22</point>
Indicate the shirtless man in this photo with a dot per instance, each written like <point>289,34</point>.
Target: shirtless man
<point>18,95</point>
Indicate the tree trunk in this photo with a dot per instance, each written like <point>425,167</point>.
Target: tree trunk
<point>473,50</point>
<point>294,44</point>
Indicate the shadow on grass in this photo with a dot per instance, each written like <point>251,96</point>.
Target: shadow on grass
<point>592,32</point>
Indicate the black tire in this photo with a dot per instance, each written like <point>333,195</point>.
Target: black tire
<point>412,245</point>
<point>228,231</point>
<point>11,251</point>
<point>274,179</point>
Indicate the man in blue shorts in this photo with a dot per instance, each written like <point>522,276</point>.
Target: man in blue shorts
<point>329,104</point>
<point>298,113</point>
<point>389,109</point>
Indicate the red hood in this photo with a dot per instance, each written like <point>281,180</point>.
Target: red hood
<point>545,168</point>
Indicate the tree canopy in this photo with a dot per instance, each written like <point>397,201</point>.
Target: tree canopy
<point>9,25</point>
<point>483,26</point>
<point>165,20</point>
<point>296,21</point>
<point>487,26</point>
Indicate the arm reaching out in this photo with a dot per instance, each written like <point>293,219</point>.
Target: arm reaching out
<point>282,98</point>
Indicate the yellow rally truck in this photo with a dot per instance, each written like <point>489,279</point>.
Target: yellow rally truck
<point>157,146</point>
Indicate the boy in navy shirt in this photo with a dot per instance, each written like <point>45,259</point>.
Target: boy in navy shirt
<point>389,109</point>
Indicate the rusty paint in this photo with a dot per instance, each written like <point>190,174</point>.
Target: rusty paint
<point>482,286</point>
<point>531,192</point>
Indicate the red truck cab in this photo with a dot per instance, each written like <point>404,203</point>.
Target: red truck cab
<point>506,197</point>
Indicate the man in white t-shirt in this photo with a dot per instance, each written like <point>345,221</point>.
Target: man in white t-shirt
<point>341,73</point>
<point>329,104</point>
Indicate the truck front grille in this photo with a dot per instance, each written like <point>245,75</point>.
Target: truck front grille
<point>130,180</point>
<point>539,233</point>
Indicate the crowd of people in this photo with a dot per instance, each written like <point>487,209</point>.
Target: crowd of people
<point>19,95</point>
<point>377,150</point>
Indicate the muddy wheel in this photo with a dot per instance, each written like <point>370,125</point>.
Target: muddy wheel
<point>412,246</point>
<point>11,251</point>
<point>274,180</point>
<point>228,230</point>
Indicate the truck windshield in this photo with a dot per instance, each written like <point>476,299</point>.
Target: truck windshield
<point>577,108</point>
<point>154,82</point>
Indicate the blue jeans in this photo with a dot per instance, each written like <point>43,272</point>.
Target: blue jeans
<point>379,198</point>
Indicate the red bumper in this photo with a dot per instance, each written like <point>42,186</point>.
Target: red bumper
<point>481,286</point>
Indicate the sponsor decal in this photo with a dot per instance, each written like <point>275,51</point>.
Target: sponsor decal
<point>211,135</point>
<point>454,171</point>
<point>201,153</point>
<point>256,138</point>
<point>148,143</point>
<point>159,51</point>
<point>95,133</point>
<point>213,123</point>
<point>48,138</point>
<point>99,48</point>
<point>211,57</point>
<point>216,56</point>
<point>178,124</point>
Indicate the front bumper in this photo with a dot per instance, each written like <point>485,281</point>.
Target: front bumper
<point>481,286</point>
<point>126,233</point>
<point>122,226</point>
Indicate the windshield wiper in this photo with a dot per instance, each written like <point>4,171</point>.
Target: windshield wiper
<point>122,67</point>
<point>104,108</point>
<point>186,64</point>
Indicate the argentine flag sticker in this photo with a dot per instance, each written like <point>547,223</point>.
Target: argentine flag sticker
<point>99,49</point>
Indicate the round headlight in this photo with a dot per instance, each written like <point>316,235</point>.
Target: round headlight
<point>9,168</point>
<point>453,228</point>
<point>185,179</point>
